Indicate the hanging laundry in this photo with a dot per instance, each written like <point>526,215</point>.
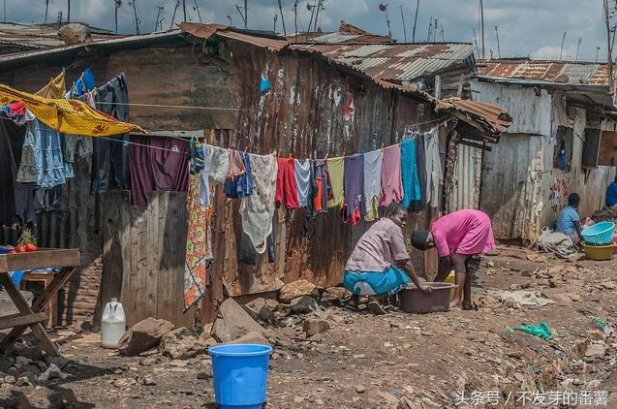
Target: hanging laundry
<point>73,117</point>
<point>434,174</point>
<point>55,88</point>
<point>257,210</point>
<point>77,146</point>
<point>336,171</point>
<point>204,186</point>
<point>312,194</point>
<point>391,182</point>
<point>219,165</point>
<point>302,171</point>
<point>354,187</point>
<point>242,185</point>
<point>17,112</point>
<point>109,161</point>
<point>157,164</point>
<point>286,185</point>
<point>85,83</point>
<point>409,173</point>
<point>372,183</point>
<point>11,145</point>
<point>420,203</point>
<point>198,245</point>
<point>42,162</point>
<point>322,186</point>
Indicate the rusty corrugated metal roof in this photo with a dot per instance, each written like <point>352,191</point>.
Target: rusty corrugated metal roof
<point>205,31</point>
<point>38,37</point>
<point>561,72</point>
<point>398,62</point>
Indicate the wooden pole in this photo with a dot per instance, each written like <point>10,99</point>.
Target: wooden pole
<point>246,17</point>
<point>482,26</point>
<point>282,18</point>
<point>68,14</point>
<point>609,48</point>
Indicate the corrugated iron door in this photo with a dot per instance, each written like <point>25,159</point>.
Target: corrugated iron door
<point>467,179</point>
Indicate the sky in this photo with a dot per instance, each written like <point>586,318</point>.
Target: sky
<point>533,28</point>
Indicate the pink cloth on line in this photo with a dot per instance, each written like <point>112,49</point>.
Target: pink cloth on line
<point>467,232</point>
<point>379,248</point>
<point>391,180</point>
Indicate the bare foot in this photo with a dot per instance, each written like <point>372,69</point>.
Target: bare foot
<point>376,308</point>
<point>455,305</point>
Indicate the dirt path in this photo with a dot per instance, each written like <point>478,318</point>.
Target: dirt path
<point>401,360</point>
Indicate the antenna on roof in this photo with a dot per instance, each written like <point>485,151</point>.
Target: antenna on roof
<point>173,16</point>
<point>60,20</point>
<point>231,22</point>
<point>415,22</point>
<point>384,7</point>
<point>498,47</point>
<point>404,28</point>
<point>295,9</point>
<point>282,18</point>
<point>68,14</point>
<point>443,34</point>
<point>597,50</point>
<point>430,27</point>
<point>196,8</point>
<point>310,7</point>
<point>319,8</point>
<point>475,38</point>
<point>578,47</point>
<point>133,3</point>
<point>241,15</point>
<point>482,26</point>
<point>118,3</point>
<point>563,39</point>
<point>435,30</point>
<point>159,20</point>
<point>246,14</point>
<point>184,9</point>
<point>276,16</point>
<point>46,10</point>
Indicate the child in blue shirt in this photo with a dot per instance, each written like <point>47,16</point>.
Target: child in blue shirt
<point>568,221</point>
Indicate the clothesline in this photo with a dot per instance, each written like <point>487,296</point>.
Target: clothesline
<point>127,143</point>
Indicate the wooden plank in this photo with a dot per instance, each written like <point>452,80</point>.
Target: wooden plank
<point>40,259</point>
<point>138,268</point>
<point>16,320</point>
<point>125,245</point>
<point>172,235</point>
<point>153,255</point>
<point>113,263</point>
<point>37,329</point>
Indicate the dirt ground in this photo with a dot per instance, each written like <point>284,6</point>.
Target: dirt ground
<point>465,359</point>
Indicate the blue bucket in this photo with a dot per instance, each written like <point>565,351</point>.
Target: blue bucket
<point>240,375</point>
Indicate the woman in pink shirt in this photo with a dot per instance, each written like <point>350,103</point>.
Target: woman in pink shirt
<point>458,237</point>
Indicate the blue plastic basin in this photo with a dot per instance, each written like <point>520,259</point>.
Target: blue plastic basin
<point>240,375</point>
<point>599,234</point>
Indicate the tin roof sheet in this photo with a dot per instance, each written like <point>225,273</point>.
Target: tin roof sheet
<point>561,72</point>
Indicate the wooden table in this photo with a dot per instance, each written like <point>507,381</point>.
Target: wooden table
<point>33,316</point>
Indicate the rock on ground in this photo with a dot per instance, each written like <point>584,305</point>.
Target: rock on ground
<point>297,289</point>
<point>75,34</point>
<point>143,336</point>
<point>312,326</point>
<point>182,343</point>
<point>304,305</point>
<point>251,338</point>
<point>233,322</point>
<point>262,309</point>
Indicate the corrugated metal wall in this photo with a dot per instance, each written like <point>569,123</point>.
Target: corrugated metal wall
<point>467,179</point>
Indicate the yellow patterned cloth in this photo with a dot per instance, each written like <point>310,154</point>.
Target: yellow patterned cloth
<point>56,88</point>
<point>68,116</point>
<point>198,245</point>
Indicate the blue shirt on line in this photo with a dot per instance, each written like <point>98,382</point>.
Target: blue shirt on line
<point>566,219</point>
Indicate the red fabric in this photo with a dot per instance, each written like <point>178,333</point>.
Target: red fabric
<point>18,108</point>
<point>319,195</point>
<point>355,216</point>
<point>286,187</point>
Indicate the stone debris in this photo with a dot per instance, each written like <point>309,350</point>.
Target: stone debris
<point>143,336</point>
<point>182,343</point>
<point>297,289</point>
<point>233,322</point>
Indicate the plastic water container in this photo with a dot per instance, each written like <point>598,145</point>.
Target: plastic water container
<point>599,234</point>
<point>113,324</point>
<point>451,279</point>
<point>240,375</point>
